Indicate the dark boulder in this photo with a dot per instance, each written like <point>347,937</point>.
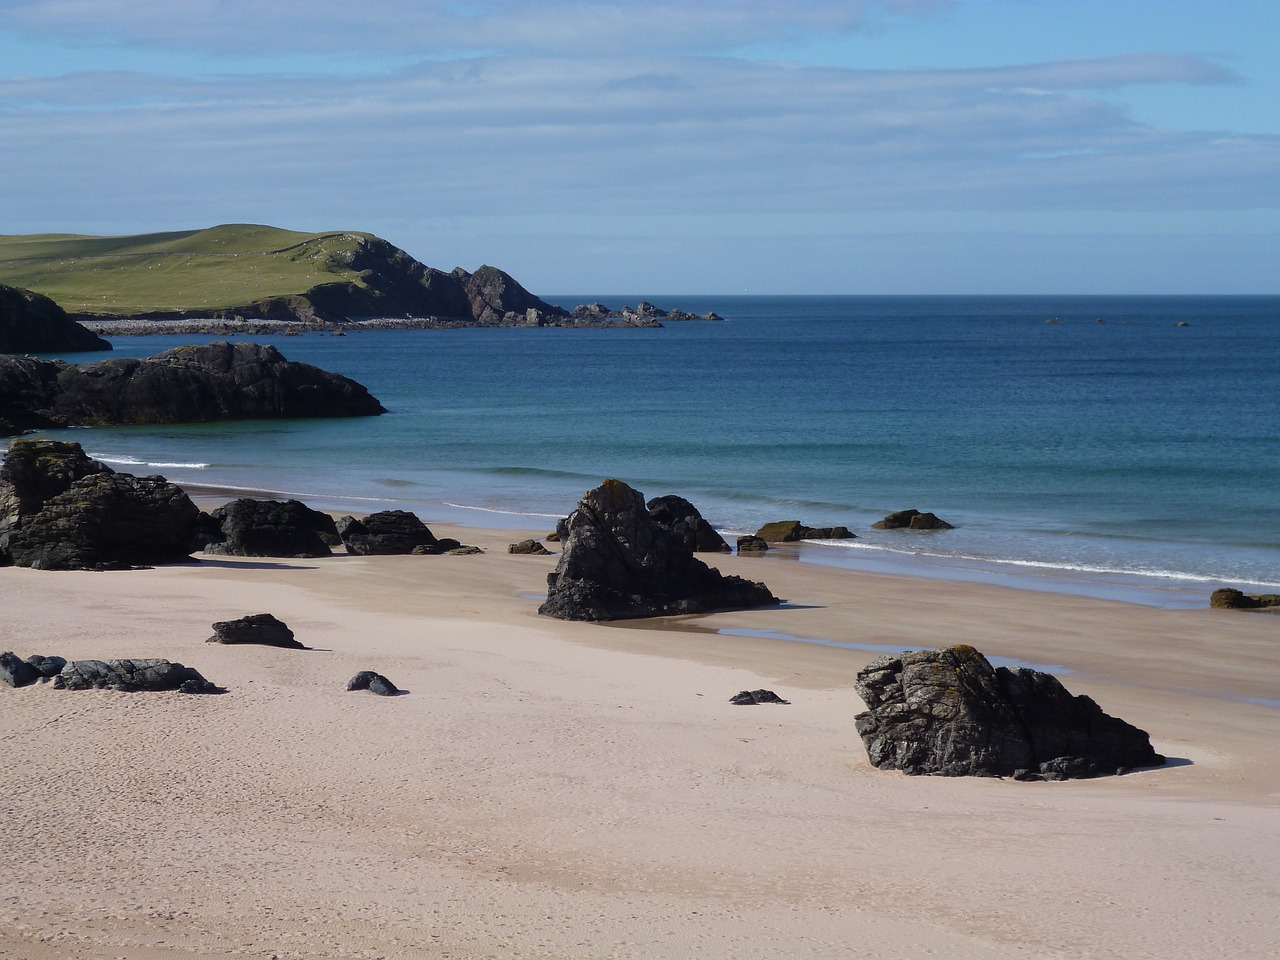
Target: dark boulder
<point>1229,599</point>
<point>373,682</point>
<point>216,381</point>
<point>17,672</point>
<point>268,528</point>
<point>35,471</point>
<point>618,563</point>
<point>132,676</point>
<point>107,521</point>
<point>260,628</point>
<point>752,544</point>
<point>790,531</point>
<point>530,547</point>
<point>683,519</point>
<point>386,533</point>
<point>47,667</point>
<point>32,323</point>
<point>912,520</point>
<point>949,712</point>
<point>750,697</point>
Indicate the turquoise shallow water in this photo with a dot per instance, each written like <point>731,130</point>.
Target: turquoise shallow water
<point>1112,452</point>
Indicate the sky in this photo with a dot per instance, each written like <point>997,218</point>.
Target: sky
<point>673,146</point>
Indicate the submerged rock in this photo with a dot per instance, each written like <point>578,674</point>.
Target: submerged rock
<point>949,712</point>
<point>618,563</point>
<point>912,520</point>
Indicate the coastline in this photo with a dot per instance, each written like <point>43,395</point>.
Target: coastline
<point>551,789</point>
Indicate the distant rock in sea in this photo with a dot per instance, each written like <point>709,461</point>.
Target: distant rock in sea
<point>912,520</point>
<point>791,531</point>
<point>949,712</point>
<point>619,563</point>
<point>192,384</point>
<point>32,323</point>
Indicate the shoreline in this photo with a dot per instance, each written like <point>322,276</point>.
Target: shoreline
<point>551,789</point>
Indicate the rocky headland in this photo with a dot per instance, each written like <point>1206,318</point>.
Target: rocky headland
<point>32,323</point>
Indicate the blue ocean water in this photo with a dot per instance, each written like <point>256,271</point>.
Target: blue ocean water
<point>1106,445</point>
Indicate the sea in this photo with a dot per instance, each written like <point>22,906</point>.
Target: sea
<point>1118,447</point>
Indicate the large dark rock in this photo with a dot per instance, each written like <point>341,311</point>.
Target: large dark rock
<point>15,671</point>
<point>949,712</point>
<point>260,628</point>
<point>497,299</point>
<point>216,381</point>
<point>790,531</point>
<point>62,510</point>
<point>912,520</point>
<point>386,533</point>
<point>268,528</point>
<point>32,323</point>
<point>373,682</point>
<point>529,547</point>
<point>1230,599</point>
<point>683,519</point>
<point>132,676</point>
<point>618,563</point>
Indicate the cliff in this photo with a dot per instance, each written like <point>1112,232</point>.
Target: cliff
<point>31,323</point>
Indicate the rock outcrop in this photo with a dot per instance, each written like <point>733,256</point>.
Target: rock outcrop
<point>62,510</point>
<point>216,381</point>
<point>262,629</point>
<point>267,528</point>
<point>752,544</point>
<point>618,563</point>
<point>32,323</point>
<point>1230,599</point>
<point>912,520</point>
<point>683,519</point>
<point>949,712</point>
<point>790,531</point>
<point>529,547</point>
<point>386,533</point>
<point>132,676</point>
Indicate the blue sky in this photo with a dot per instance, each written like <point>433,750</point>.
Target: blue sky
<point>885,146</point>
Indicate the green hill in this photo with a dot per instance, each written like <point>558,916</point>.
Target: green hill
<point>190,272</point>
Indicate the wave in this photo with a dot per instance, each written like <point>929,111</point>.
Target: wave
<point>124,460</point>
<point>509,513</point>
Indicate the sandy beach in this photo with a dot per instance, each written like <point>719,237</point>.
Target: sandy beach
<point>567,790</point>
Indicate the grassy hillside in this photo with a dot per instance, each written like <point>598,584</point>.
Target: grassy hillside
<point>192,271</point>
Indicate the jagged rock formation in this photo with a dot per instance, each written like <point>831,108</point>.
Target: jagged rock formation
<point>132,676</point>
<point>373,682</point>
<point>267,528</point>
<point>912,520</point>
<point>216,381</point>
<point>949,712</point>
<point>386,533</point>
<point>618,563</point>
<point>1229,599</point>
<point>683,519</point>
<point>790,531</point>
<point>32,323</point>
<point>62,510</point>
<point>258,628</point>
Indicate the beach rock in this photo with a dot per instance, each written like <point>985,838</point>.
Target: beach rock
<point>752,544</point>
<point>1229,599</point>
<point>107,521</point>
<point>373,682</point>
<point>749,697</point>
<point>386,533</point>
<point>132,676</point>
<point>260,628</point>
<point>47,667</point>
<point>949,712</point>
<point>683,519</point>
<point>790,531</point>
<point>35,471</point>
<point>913,520</point>
<point>463,551</point>
<point>216,381</point>
<point>618,563</point>
<point>532,547</point>
<point>15,671</point>
<point>32,323</point>
<point>268,528</point>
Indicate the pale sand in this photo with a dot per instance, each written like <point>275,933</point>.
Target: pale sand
<point>552,789</point>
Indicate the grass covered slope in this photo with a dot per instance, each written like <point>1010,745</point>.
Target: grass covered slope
<point>192,271</point>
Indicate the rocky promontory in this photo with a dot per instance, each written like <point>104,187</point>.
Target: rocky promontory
<point>192,384</point>
<point>32,323</point>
